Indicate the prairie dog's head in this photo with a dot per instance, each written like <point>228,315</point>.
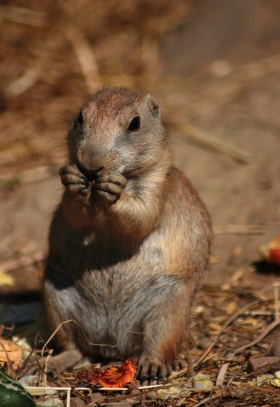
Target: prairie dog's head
<point>119,129</point>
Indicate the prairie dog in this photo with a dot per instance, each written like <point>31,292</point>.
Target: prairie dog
<point>130,239</point>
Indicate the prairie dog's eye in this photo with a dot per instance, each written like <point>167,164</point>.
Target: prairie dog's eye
<point>134,124</point>
<point>79,119</point>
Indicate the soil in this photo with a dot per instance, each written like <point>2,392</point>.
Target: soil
<point>221,80</point>
<point>217,69</point>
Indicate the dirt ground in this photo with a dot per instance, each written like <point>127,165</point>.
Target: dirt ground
<point>215,71</point>
<point>220,80</point>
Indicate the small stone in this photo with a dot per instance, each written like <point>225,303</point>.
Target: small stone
<point>152,395</point>
<point>76,402</point>
<point>54,401</point>
<point>135,392</point>
<point>95,398</point>
<point>264,364</point>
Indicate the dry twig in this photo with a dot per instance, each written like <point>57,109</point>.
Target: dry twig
<point>85,56</point>
<point>23,16</point>
<point>207,140</point>
<point>238,230</point>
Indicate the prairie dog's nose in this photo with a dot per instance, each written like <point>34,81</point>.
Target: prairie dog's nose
<point>95,159</point>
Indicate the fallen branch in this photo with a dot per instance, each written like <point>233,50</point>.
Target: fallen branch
<point>23,83</point>
<point>207,140</point>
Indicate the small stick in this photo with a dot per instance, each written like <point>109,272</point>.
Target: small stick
<point>250,386</point>
<point>22,84</point>
<point>221,375</point>
<point>23,15</point>
<point>238,230</point>
<point>260,68</point>
<point>190,364</point>
<point>75,322</point>
<point>85,57</point>
<point>202,137</point>
<point>45,369</point>
<point>276,301</point>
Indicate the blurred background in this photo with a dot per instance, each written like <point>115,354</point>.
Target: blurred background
<point>215,68</point>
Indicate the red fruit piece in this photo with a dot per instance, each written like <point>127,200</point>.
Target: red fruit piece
<point>271,250</point>
<point>112,377</point>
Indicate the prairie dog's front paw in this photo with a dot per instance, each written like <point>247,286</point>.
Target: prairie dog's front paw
<point>109,186</point>
<point>75,182</point>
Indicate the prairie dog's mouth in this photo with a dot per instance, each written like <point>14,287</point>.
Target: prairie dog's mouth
<point>90,175</point>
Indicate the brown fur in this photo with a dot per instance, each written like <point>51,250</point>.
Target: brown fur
<point>129,241</point>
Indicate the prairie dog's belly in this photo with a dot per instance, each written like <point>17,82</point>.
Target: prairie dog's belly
<point>112,311</point>
<point>112,290</point>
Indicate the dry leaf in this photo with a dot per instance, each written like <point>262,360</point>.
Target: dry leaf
<point>202,381</point>
<point>231,308</point>
<point>11,353</point>
<point>214,327</point>
<point>266,379</point>
<point>6,279</point>
<point>249,321</point>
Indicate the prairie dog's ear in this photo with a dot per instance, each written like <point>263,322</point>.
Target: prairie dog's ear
<point>153,105</point>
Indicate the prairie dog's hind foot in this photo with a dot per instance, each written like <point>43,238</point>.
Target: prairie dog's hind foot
<point>150,371</point>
